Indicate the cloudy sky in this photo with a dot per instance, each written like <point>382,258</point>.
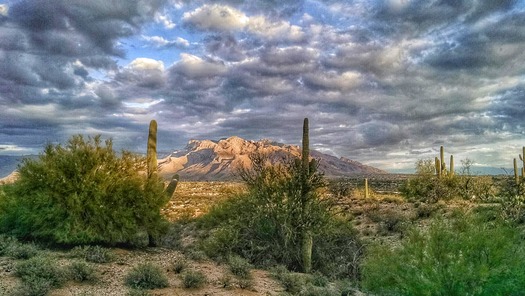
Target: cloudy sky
<point>383,82</point>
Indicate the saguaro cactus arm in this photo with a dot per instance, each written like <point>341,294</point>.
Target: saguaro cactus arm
<point>173,185</point>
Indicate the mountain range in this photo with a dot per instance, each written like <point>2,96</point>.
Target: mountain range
<point>219,160</point>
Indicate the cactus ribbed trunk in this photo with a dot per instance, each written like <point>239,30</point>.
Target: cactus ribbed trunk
<point>442,159</point>
<point>306,148</point>
<point>451,165</point>
<point>516,175</point>
<point>522,157</point>
<point>151,156</point>
<point>367,193</point>
<point>307,240</point>
<point>438,167</point>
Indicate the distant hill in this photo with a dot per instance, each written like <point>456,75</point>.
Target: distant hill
<point>475,170</point>
<point>219,160</point>
<point>9,163</point>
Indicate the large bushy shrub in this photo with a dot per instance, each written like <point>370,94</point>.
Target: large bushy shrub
<point>265,224</point>
<point>462,256</point>
<point>425,186</point>
<point>83,192</point>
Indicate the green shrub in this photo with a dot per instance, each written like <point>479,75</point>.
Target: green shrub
<point>22,251</point>
<point>95,254</point>
<point>41,271</point>
<point>266,225</point>
<point>239,266</point>
<point>138,292</point>
<point>6,242</point>
<point>180,265</point>
<point>146,276</point>
<point>292,282</point>
<point>83,193</point>
<point>512,201</point>
<point>193,279</point>
<point>427,187</point>
<point>33,286</point>
<point>82,272</point>
<point>464,256</point>
<point>245,283</point>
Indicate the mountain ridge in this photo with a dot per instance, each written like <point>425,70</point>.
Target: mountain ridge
<point>208,160</point>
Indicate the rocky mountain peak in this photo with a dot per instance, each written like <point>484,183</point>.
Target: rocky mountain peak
<point>219,160</point>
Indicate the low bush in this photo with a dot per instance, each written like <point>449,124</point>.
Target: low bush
<point>146,276</point>
<point>138,292</point>
<point>94,254</point>
<point>239,266</point>
<point>22,251</point>
<point>6,243</point>
<point>193,279</point>
<point>39,275</point>
<point>180,265</point>
<point>34,286</point>
<point>82,272</point>
<point>461,256</point>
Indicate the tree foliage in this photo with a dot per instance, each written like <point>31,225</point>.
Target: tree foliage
<point>466,255</point>
<point>265,225</point>
<point>81,193</point>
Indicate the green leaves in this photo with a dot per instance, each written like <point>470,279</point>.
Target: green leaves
<point>466,256</point>
<point>83,192</point>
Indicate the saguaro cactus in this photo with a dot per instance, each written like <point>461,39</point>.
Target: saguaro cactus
<point>516,175</point>
<point>441,167</point>
<point>367,193</point>
<point>522,158</point>
<point>438,167</point>
<point>307,240</point>
<point>151,155</point>
<point>442,159</point>
<point>451,165</point>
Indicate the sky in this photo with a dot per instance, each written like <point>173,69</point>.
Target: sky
<point>382,82</point>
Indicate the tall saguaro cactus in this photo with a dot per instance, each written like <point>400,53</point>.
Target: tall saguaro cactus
<point>438,167</point>
<point>306,148</point>
<point>451,165</point>
<point>367,192</point>
<point>516,174</point>
<point>441,167</point>
<point>522,158</point>
<point>307,240</point>
<point>442,159</point>
<point>151,155</point>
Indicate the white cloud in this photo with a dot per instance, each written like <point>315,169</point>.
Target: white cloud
<point>165,20</point>
<point>335,81</point>
<point>261,26</point>
<point>193,66</point>
<point>216,17</point>
<point>159,41</point>
<point>145,64</point>
<point>4,9</point>
<point>224,18</point>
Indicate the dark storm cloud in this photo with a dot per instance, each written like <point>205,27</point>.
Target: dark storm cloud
<point>508,109</point>
<point>102,22</point>
<point>43,38</point>
<point>47,52</point>
<point>435,13</point>
<point>225,46</point>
